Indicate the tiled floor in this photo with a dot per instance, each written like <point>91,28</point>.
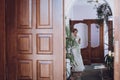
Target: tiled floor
<point>92,73</point>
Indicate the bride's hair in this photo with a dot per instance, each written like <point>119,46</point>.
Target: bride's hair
<point>74,30</point>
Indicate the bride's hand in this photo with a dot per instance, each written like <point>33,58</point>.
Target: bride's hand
<point>79,41</point>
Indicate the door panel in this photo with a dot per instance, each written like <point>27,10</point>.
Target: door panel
<point>44,13</point>
<point>95,35</point>
<point>95,43</point>
<point>45,44</point>
<point>45,70</point>
<point>85,55</point>
<point>25,69</point>
<point>32,40</point>
<point>24,14</point>
<point>24,41</point>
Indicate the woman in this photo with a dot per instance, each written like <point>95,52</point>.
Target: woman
<point>77,53</point>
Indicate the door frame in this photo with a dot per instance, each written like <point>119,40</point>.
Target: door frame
<point>2,41</point>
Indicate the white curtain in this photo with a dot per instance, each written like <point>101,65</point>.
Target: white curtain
<point>82,33</point>
<point>95,35</point>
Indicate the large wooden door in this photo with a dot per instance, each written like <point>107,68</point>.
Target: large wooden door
<point>35,43</point>
<point>96,41</point>
<point>93,50</point>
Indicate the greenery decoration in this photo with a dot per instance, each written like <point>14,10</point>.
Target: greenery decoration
<point>70,43</point>
<point>104,11</point>
<point>109,61</point>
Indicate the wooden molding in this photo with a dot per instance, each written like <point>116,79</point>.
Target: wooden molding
<point>2,40</point>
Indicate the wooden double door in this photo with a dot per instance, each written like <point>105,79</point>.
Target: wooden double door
<point>91,33</point>
<point>35,40</point>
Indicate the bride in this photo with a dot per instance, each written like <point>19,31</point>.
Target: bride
<point>77,53</point>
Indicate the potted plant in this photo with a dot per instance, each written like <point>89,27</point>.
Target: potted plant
<point>109,61</point>
<point>70,42</point>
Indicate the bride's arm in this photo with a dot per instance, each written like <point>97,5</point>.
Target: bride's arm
<point>79,41</point>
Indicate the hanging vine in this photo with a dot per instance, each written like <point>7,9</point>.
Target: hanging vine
<point>104,11</point>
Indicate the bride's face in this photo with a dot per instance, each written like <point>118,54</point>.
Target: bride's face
<point>75,33</point>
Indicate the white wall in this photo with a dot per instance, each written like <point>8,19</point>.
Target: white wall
<point>79,12</point>
<point>81,9</point>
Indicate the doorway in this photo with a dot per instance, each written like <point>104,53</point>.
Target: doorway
<point>81,12</point>
<point>92,40</point>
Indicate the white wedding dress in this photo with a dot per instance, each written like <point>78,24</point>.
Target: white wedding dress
<point>77,56</point>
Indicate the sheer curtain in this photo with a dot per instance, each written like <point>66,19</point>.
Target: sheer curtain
<point>95,35</point>
<point>82,33</point>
